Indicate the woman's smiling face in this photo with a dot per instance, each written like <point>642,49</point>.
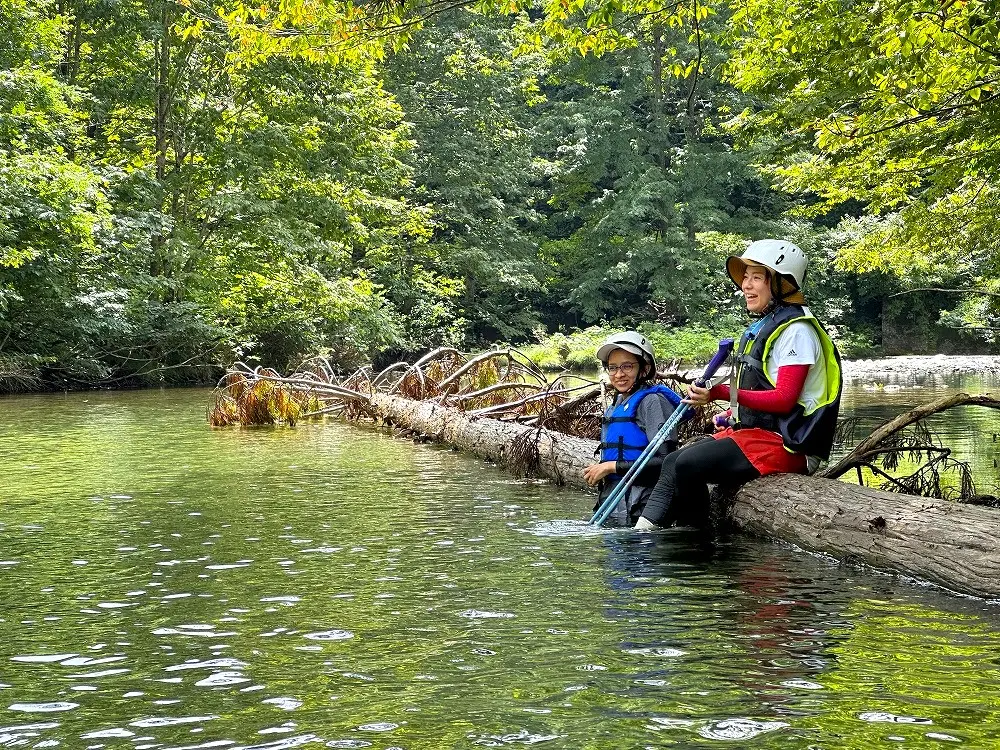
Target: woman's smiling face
<point>756,288</point>
<point>623,370</point>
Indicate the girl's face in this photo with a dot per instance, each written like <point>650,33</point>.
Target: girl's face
<point>757,288</point>
<point>623,370</point>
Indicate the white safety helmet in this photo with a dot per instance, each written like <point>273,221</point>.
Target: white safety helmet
<point>785,259</point>
<point>632,342</point>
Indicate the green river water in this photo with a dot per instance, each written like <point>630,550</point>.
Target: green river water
<point>169,585</point>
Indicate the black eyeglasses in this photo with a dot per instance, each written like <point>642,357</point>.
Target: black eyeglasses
<point>625,367</point>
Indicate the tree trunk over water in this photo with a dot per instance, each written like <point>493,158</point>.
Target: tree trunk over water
<point>951,544</point>
<point>954,545</point>
<point>561,458</point>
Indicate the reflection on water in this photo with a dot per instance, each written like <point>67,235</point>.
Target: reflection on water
<point>166,585</point>
<point>972,432</point>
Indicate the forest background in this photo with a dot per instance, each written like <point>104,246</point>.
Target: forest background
<point>185,183</point>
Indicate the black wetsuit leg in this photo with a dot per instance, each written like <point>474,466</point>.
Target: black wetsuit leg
<point>681,493</point>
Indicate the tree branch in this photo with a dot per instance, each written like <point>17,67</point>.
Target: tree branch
<point>981,292</point>
<point>870,443</point>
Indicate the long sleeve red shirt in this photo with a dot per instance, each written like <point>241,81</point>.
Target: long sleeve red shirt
<point>781,400</point>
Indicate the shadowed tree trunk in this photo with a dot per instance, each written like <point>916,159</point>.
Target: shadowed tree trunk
<point>952,544</point>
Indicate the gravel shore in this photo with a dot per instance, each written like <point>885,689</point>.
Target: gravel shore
<point>921,365</point>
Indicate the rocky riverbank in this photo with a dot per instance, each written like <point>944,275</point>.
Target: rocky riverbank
<point>916,366</point>
<point>908,369</point>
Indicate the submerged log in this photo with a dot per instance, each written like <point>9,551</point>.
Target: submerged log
<point>950,544</point>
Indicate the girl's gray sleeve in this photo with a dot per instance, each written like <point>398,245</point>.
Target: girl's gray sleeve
<point>652,413</point>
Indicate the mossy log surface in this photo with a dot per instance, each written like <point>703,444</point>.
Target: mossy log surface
<point>953,545</point>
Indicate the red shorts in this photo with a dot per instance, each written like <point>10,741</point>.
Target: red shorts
<point>765,450</point>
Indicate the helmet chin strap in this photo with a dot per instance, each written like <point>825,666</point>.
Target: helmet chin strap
<point>770,308</point>
<point>645,376</point>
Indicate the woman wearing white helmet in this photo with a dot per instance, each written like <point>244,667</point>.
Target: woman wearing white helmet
<point>637,414</point>
<point>784,400</point>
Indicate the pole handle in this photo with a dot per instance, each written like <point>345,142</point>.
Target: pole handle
<point>718,359</point>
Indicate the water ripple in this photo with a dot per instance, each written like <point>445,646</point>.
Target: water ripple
<point>802,684</point>
<point>223,678</point>
<point>283,744</point>
<point>477,614</point>
<point>284,703</point>
<point>42,658</point>
<point>102,673</point>
<point>524,737</point>
<point>329,635</point>
<point>663,721</point>
<point>29,727</point>
<point>198,633</point>
<point>378,726</point>
<point>283,729</point>
<point>941,736</point>
<point>657,651</point>
<point>739,729</point>
<point>563,528</point>
<point>43,708</point>
<point>107,733</point>
<point>207,664</point>
<point>85,661</point>
<point>168,721</point>
<point>885,717</point>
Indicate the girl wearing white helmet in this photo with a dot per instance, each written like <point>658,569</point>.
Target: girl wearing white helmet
<point>784,400</point>
<point>637,414</point>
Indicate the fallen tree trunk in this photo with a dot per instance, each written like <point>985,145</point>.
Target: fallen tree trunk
<point>951,544</point>
<point>865,449</point>
<point>559,457</point>
<point>955,545</point>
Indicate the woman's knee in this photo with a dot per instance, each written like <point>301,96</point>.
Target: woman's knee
<point>690,465</point>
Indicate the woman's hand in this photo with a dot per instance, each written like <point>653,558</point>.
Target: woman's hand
<point>596,472</point>
<point>698,396</point>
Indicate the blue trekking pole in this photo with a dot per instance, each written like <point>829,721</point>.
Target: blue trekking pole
<point>609,504</point>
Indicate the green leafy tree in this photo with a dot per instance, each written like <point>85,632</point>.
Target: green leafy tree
<point>53,211</point>
<point>282,173</point>
<point>640,169</point>
<point>472,102</point>
<point>890,111</point>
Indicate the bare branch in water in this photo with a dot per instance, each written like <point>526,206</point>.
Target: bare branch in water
<point>893,426</point>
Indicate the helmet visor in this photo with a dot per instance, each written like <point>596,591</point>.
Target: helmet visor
<point>605,351</point>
